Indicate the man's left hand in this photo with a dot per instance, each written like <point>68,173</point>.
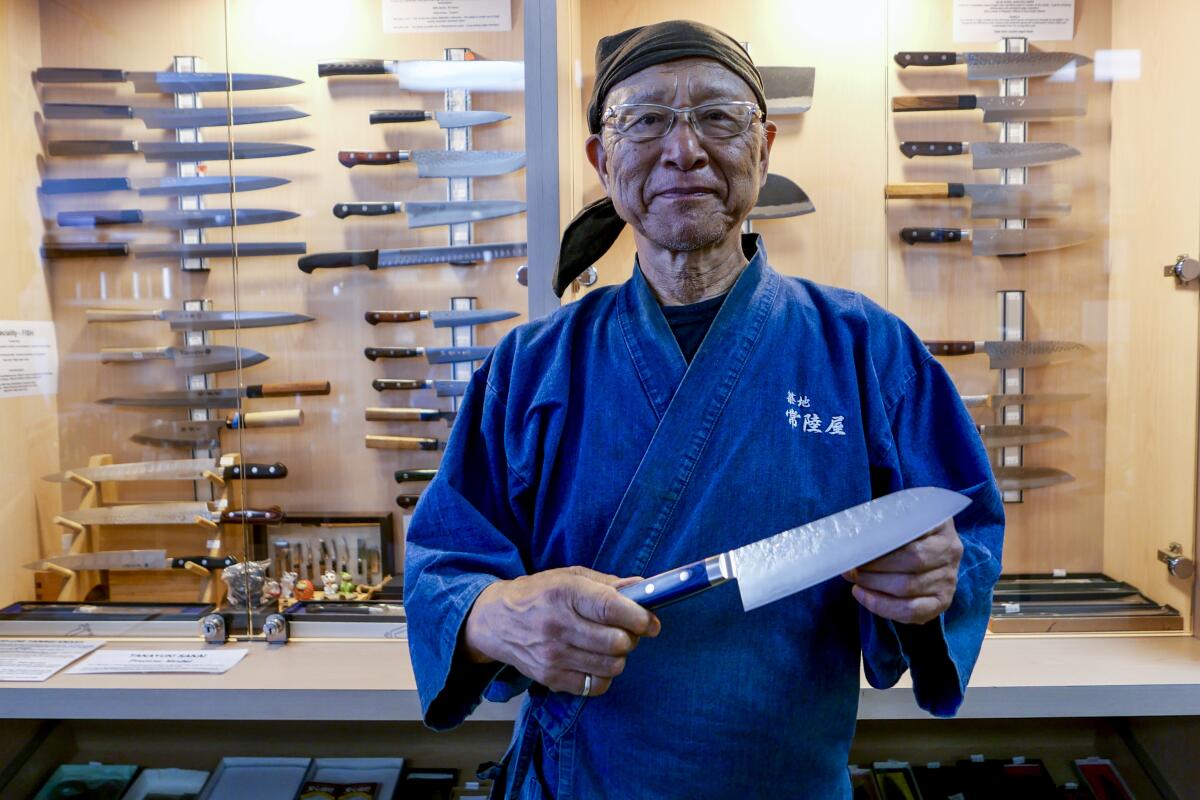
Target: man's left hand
<point>914,584</point>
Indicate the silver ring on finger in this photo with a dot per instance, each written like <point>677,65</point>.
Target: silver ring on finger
<point>587,685</point>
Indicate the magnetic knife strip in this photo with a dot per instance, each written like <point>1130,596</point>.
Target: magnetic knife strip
<point>1085,602</point>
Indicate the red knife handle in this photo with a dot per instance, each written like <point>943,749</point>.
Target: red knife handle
<point>931,235</point>
<point>395,115</point>
<point>911,149</point>
<point>253,516</point>
<point>934,102</point>
<point>343,210</point>
<point>923,58</point>
<point>84,249</point>
<point>352,66</point>
<point>353,158</point>
<point>942,347</point>
<point>341,258</point>
<point>391,352</point>
<point>376,317</point>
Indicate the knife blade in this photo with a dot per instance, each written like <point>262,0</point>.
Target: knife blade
<point>166,82</point>
<point>1011,354</point>
<point>444,119</point>
<point>173,151</point>
<point>198,320</point>
<point>205,358</point>
<point>414,475</point>
<point>435,76</point>
<point>780,198</point>
<point>172,118</point>
<point>1018,435</point>
<point>378,442</point>
<point>440,163</point>
<point>994,155</point>
<point>801,557</point>
<point>378,414</point>
<point>997,109</point>
<point>983,66</point>
<point>205,432</point>
<point>992,200</point>
<point>182,513</point>
<point>434,355</point>
<point>1002,400</point>
<point>789,90</point>
<point>424,215</point>
<point>184,469</point>
<point>442,388</point>
<point>204,250</point>
<point>219,398</point>
<point>1013,479</point>
<point>442,319</point>
<point>161,187</point>
<point>461,255</point>
<point>176,220</point>
<point>131,560</point>
<point>999,241</point>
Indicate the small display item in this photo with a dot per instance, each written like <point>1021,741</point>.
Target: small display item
<point>429,784</point>
<point>1029,779</point>
<point>260,778</point>
<point>895,781</point>
<point>938,781</point>
<point>90,781</point>
<point>167,784</point>
<point>323,790</point>
<point>245,581</point>
<point>983,778</point>
<point>1101,776</point>
<point>304,589</point>
<point>862,783</point>
<point>355,778</point>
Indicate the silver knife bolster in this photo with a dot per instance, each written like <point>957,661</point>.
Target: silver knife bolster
<point>718,568</point>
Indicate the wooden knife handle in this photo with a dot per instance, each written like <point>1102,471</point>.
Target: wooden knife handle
<point>924,58</point>
<point>934,102</point>
<point>343,210</point>
<point>376,317</point>
<point>285,389</point>
<point>944,347</point>
<point>373,353</point>
<point>287,418</point>
<point>118,315</point>
<point>931,235</point>
<point>896,191</point>
<point>377,442</point>
<point>353,158</point>
<point>414,475</point>
<point>378,414</point>
<point>84,249</point>
<point>352,66</point>
<point>399,115</point>
<point>912,149</point>
<point>341,258</point>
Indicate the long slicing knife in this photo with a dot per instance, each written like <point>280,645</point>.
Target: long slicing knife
<point>789,90</point>
<point>1010,355</point>
<point>992,200</point>
<point>440,163</point>
<point>1011,479</point>
<point>203,358</point>
<point>198,320</point>
<point>994,155</point>
<point>798,558</point>
<point>442,388</point>
<point>171,118</point>
<point>442,319</point>
<point>997,109</point>
<point>433,355</point>
<point>1018,435</point>
<point>379,414</point>
<point>780,198</point>
<point>189,513</point>
<point>203,250</point>
<point>165,82</point>
<point>131,560</point>
<point>175,220</point>
<point>424,215</point>
<point>173,151</point>
<point>161,187</point>
<point>445,119</point>
<point>206,432</point>
<point>984,66</point>
<point>1001,400</point>
<point>459,254</point>
<point>183,469</point>
<point>219,398</point>
<point>998,241</point>
<point>435,76</point>
<point>378,442</point>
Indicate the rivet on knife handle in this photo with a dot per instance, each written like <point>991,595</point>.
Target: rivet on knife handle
<point>353,66</point>
<point>343,210</point>
<point>911,149</point>
<point>342,258</point>
<point>930,235</point>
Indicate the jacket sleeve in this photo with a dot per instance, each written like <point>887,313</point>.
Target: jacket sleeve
<point>934,442</point>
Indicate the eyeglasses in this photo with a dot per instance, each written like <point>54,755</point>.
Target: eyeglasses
<point>642,122</point>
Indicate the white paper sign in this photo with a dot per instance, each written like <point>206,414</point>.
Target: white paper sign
<point>428,16</point>
<point>993,20</point>
<point>108,662</point>
<point>28,358</point>
<point>37,659</point>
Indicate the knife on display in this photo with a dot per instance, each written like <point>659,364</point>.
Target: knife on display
<point>444,119</point>
<point>440,163</point>
<point>442,388</point>
<point>984,66</point>
<point>424,215</point>
<point>999,241</point>
<point>172,118</point>
<point>186,513</point>
<point>1015,479</point>
<point>377,414</point>
<point>997,109</point>
<point>175,220</point>
<point>132,560</point>
<point>407,501</point>
<point>433,355</point>
<point>173,151</point>
<point>435,76</point>
<point>802,557</point>
<point>173,250</point>
<point>166,82</point>
<point>460,254</point>
<point>994,155</point>
<point>206,432</point>
<point>161,187</point>
<point>184,469</point>
<point>992,200</point>
<point>198,320</point>
<point>203,358</point>
<point>1018,435</point>
<point>789,90</point>
<point>219,398</point>
<point>1011,355</point>
<point>1002,400</point>
<point>442,319</point>
<point>779,198</point>
<point>414,475</point>
<point>378,442</point>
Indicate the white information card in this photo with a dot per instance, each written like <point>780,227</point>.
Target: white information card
<point>431,16</point>
<point>28,359</point>
<point>993,20</point>
<point>108,662</point>
<point>38,659</point>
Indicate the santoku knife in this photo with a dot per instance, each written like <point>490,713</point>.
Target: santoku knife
<point>984,66</point>
<point>435,76</point>
<point>378,414</point>
<point>1018,435</point>
<point>162,187</point>
<point>424,215</point>
<point>131,559</point>
<point>378,442</point>
<point>789,90</point>
<point>183,469</point>
<point>198,320</point>
<point>166,82</point>
<point>173,151</point>
<point>442,319</point>
<point>203,250</point>
<point>994,155</point>
<point>799,558</point>
<point>442,388</point>
<point>185,219</point>
<point>203,358</point>
<point>171,118</point>
<point>187,513</point>
<point>997,109</point>
<point>445,119</point>
<point>992,200</point>
<point>998,241</point>
<point>219,398</point>
<point>434,355</point>
<point>1015,479</point>
<point>206,432</point>
<point>414,475</point>
<point>1010,355</point>
<point>440,163</point>
<point>1001,400</point>
<point>459,254</point>
<point>780,198</point>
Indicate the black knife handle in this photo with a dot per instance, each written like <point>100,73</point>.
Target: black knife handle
<point>924,58</point>
<point>86,111</point>
<point>931,235</point>
<point>414,475</point>
<point>944,347</point>
<point>397,384</point>
<point>255,471</point>
<point>407,500</point>
<point>911,149</point>
<point>399,115</point>
<point>391,352</point>
<point>343,258</point>
<point>90,219</point>
<point>208,562</point>
<point>90,147</point>
<point>84,249</point>
<point>78,75</point>
<point>934,102</point>
<point>343,210</point>
<point>253,516</point>
<point>83,185</point>
<point>352,66</point>
<point>376,158</point>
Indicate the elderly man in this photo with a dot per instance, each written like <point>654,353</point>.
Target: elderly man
<point>705,403</point>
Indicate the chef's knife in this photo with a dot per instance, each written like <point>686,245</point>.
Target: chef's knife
<point>198,320</point>
<point>999,241</point>
<point>203,358</point>
<point>173,151</point>
<point>219,398</point>
<point>1011,355</point>
<point>378,442</point>
<point>997,109</point>
<point>442,388</point>
<point>424,215</point>
<point>378,414</point>
<point>184,469</point>
<point>1018,435</point>
<point>1001,400</point>
<point>185,219</point>
<point>162,187</point>
<point>166,82</point>
<point>435,76</point>
<point>440,163</point>
<point>414,475</point>
<point>172,118</point>
<point>992,200</point>
<point>789,90</point>
<point>173,250</point>
<point>984,66</point>
<point>780,198</point>
<point>131,559</point>
<point>801,557</point>
<point>186,513</point>
<point>1013,479</point>
<point>445,119</point>
<point>442,319</point>
<point>459,254</point>
<point>994,155</point>
<point>205,432</point>
<point>434,355</point>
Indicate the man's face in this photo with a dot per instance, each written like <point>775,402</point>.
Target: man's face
<point>681,191</point>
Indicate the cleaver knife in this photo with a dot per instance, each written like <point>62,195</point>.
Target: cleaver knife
<point>992,200</point>
<point>999,241</point>
<point>984,66</point>
<point>994,155</point>
<point>798,558</point>
<point>789,90</point>
<point>1011,354</point>
<point>997,109</point>
<point>779,198</point>
<point>441,163</point>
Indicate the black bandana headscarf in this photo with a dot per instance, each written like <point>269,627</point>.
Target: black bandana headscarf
<point>597,226</point>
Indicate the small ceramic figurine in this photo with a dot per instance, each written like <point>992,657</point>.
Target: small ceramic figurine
<point>330,579</point>
<point>287,585</point>
<point>347,587</point>
<point>271,590</point>
<point>304,589</point>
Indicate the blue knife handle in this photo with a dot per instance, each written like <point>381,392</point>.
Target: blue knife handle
<point>80,185</point>
<point>671,586</point>
<point>90,219</point>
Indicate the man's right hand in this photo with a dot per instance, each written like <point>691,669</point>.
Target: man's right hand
<point>558,626</point>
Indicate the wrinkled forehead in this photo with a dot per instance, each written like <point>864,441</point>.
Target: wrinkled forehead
<point>700,80</point>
